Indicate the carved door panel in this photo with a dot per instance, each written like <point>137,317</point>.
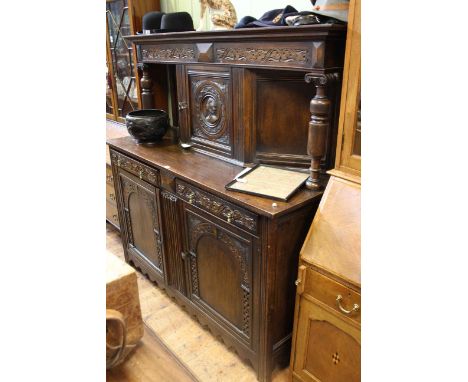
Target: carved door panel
<point>206,106</point>
<point>219,269</point>
<point>328,348</point>
<point>140,205</point>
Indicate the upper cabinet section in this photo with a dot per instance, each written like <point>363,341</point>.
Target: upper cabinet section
<point>310,47</point>
<point>348,153</point>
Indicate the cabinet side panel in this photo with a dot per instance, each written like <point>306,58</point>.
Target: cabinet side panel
<point>291,233</point>
<point>172,241</point>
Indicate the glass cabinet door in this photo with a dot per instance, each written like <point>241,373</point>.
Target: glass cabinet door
<point>121,51</point>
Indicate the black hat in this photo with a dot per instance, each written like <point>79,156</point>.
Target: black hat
<point>177,22</point>
<point>275,17</point>
<point>160,22</point>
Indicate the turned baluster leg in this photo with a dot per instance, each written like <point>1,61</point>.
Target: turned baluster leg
<point>318,125</point>
<point>147,99</point>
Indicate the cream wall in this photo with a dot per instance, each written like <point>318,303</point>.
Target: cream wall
<point>255,8</point>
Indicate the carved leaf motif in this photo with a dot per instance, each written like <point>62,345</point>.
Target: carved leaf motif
<point>259,55</point>
<point>217,207</point>
<point>168,54</point>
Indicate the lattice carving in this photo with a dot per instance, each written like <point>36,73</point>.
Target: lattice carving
<point>194,272</point>
<point>246,313</point>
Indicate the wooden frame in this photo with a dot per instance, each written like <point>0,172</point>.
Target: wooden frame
<point>348,165</point>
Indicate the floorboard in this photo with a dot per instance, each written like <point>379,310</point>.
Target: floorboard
<point>207,358</point>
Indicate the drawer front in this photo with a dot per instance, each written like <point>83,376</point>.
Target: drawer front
<point>327,290</point>
<point>218,207</point>
<point>136,168</point>
<point>111,214</point>
<point>110,194</point>
<point>109,176</point>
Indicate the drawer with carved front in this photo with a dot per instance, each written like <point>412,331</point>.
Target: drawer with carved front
<point>218,207</point>
<point>136,168</point>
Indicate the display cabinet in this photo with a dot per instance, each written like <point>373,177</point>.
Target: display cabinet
<point>123,18</point>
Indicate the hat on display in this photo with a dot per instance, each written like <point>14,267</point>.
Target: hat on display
<point>275,17</point>
<point>151,22</point>
<point>160,22</point>
<point>336,9</point>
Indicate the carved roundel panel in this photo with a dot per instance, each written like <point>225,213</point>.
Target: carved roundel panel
<point>210,109</point>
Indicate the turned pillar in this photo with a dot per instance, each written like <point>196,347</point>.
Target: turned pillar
<point>146,83</point>
<point>318,125</point>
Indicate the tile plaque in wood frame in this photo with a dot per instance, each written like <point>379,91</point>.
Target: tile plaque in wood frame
<point>268,181</point>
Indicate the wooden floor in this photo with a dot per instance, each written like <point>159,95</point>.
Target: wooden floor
<point>205,356</point>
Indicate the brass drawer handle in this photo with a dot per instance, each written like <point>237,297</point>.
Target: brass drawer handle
<point>229,216</point>
<point>191,198</point>
<point>111,196</point>
<point>141,174</point>
<point>338,302</point>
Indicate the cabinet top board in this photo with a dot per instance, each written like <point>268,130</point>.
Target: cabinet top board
<point>208,173</point>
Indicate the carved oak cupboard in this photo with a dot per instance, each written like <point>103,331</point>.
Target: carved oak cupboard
<point>238,98</point>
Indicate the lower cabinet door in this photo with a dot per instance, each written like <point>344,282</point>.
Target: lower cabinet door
<point>219,268</point>
<point>328,347</point>
<point>140,204</point>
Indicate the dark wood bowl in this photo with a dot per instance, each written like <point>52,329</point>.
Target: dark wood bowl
<point>147,125</point>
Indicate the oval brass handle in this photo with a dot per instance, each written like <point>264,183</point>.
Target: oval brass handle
<point>141,174</point>
<point>118,162</point>
<point>229,216</point>
<point>338,302</point>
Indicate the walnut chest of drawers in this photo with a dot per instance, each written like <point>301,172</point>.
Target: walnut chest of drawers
<point>327,324</point>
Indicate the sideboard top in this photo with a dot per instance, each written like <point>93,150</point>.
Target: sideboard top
<point>208,173</point>
<point>286,33</point>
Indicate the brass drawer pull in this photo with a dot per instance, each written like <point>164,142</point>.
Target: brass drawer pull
<point>141,174</point>
<point>229,216</point>
<point>338,302</point>
<point>191,198</point>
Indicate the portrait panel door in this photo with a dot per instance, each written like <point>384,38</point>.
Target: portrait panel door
<point>143,242</point>
<point>219,269</point>
<point>205,109</point>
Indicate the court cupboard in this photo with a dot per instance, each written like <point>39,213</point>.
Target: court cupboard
<point>238,98</point>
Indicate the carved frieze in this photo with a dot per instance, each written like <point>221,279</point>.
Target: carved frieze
<point>168,54</point>
<point>142,171</point>
<point>263,55</point>
<point>217,207</point>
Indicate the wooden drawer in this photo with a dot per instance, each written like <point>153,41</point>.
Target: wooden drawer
<point>218,207</point>
<point>112,214</point>
<point>327,290</point>
<point>135,167</point>
<point>110,194</point>
<point>109,176</point>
